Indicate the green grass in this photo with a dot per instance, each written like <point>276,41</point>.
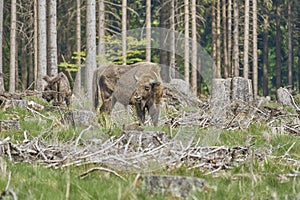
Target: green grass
<point>35,181</point>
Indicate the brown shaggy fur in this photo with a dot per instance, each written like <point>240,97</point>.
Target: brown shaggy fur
<point>57,89</point>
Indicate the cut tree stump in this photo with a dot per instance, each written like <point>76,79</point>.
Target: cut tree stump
<point>8,125</point>
<point>284,97</point>
<point>242,89</point>
<point>79,118</point>
<point>220,99</point>
<point>173,186</point>
<point>228,93</point>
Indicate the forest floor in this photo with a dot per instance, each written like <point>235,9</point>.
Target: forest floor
<point>250,153</point>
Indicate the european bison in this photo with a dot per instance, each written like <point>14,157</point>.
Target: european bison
<point>104,82</point>
<point>57,89</point>
<point>139,84</point>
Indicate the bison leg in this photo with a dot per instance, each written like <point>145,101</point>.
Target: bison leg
<point>154,113</point>
<point>140,113</point>
<point>106,106</point>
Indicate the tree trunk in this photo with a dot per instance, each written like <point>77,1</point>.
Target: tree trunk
<point>218,40</point>
<point>246,39</point>
<point>194,48</point>
<point>1,49</point>
<point>35,46</point>
<point>101,31</point>
<point>255,59</point>
<point>229,37</point>
<point>186,42</point>
<point>298,26</point>
<point>163,57</point>
<point>172,42</point>
<point>124,30</point>
<point>90,46</point>
<point>12,61</point>
<point>290,47</point>
<point>24,68</point>
<point>52,39</point>
<point>213,35</point>
<point>235,56</point>
<point>42,45</point>
<point>225,46</point>
<point>77,84</point>
<point>31,66</point>
<point>265,53</point>
<point>278,46</point>
<point>148,30</point>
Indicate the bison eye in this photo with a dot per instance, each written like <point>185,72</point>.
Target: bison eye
<point>147,88</point>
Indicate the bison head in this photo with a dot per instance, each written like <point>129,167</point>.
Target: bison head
<point>48,93</point>
<point>48,90</point>
<point>145,88</point>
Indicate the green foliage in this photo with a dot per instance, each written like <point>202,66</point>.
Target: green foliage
<point>135,50</point>
<point>73,67</point>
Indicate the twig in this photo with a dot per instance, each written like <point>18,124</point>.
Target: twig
<point>4,141</point>
<point>8,191</point>
<point>101,169</point>
<point>289,149</point>
<point>78,138</point>
<point>292,98</point>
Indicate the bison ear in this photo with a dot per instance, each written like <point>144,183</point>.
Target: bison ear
<point>155,84</point>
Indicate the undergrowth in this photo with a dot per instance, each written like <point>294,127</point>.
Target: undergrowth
<point>271,177</point>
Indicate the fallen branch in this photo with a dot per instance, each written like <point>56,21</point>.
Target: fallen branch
<point>101,169</point>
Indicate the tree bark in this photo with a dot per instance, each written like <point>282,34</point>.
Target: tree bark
<point>229,37</point>
<point>298,26</point>
<point>52,39</point>
<point>163,56</point>
<point>124,30</point>
<point>278,46</point>
<point>148,30</point>
<point>90,46</point>
<point>194,48</point>
<point>24,67</point>
<point>213,30</point>
<point>218,40</point>
<point>265,53</point>
<point>246,39</point>
<point>225,34</point>
<point>290,47</point>
<point>2,89</point>
<point>12,60</point>
<point>101,30</point>
<point>255,58</point>
<point>42,45</point>
<point>235,56</point>
<point>35,46</point>
<point>77,84</point>
<point>172,42</point>
<point>186,42</point>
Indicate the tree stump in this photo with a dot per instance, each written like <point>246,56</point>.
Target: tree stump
<point>79,118</point>
<point>220,99</point>
<point>242,89</point>
<point>284,97</point>
<point>228,92</point>
<point>9,125</point>
<point>173,186</point>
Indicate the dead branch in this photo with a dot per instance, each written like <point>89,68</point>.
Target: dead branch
<point>101,169</point>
